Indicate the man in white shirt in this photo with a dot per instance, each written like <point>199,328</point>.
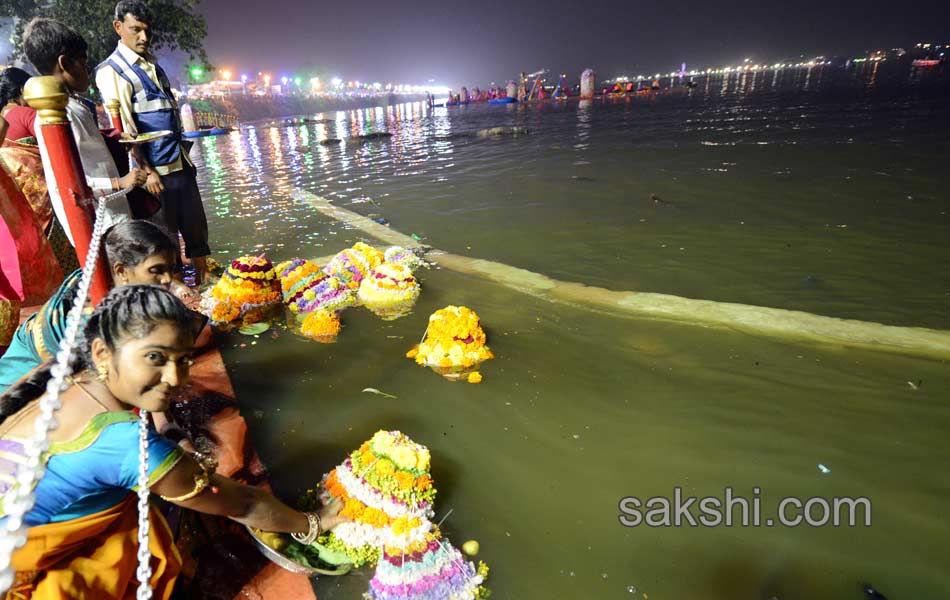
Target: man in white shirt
<point>56,49</point>
<point>133,77</point>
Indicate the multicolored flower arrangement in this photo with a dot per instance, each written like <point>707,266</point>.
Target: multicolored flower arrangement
<point>387,491</point>
<point>246,292</point>
<point>454,344</point>
<point>361,274</point>
<point>397,255</point>
<point>298,278</point>
<point>390,291</point>
<point>432,569</point>
<point>353,264</point>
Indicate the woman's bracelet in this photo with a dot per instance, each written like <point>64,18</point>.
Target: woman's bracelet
<point>208,465</point>
<point>202,481</point>
<point>313,519</point>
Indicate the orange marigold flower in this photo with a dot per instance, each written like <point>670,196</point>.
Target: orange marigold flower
<point>423,482</point>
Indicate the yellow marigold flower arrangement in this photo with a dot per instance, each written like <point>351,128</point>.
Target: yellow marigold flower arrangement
<point>453,344</point>
<point>321,325</point>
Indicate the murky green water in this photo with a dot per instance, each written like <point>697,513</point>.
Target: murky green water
<point>824,192</point>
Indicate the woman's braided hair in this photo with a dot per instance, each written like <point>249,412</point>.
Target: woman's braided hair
<point>129,311</point>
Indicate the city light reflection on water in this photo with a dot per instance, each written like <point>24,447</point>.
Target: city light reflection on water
<point>810,190</point>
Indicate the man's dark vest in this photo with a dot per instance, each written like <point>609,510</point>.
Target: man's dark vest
<point>153,108</point>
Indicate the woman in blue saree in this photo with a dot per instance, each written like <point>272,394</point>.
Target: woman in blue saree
<point>135,353</point>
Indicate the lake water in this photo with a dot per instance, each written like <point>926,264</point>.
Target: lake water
<point>821,190</point>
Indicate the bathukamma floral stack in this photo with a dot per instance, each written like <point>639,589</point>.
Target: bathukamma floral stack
<point>389,291</point>
<point>246,292</point>
<point>430,569</point>
<point>387,491</point>
<point>454,344</point>
<point>353,264</point>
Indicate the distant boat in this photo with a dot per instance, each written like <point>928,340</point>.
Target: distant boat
<point>204,132</point>
<point>927,62</point>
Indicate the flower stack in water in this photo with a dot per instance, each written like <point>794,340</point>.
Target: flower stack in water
<point>390,291</point>
<point>388,493</point>
<point>386,489</point>
<point>431,569</point>
<point>298,278</point>
<point>246,292</point>
<point>308,288</point>
<point>353,264</point>
<point>454,344</point>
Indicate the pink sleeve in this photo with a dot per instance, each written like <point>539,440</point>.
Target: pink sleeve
<point>30,123</point>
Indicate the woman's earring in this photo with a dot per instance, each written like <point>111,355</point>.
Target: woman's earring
<point>103,371</point>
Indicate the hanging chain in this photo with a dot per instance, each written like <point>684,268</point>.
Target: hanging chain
<point>21,498</point>
<point>144,572</point>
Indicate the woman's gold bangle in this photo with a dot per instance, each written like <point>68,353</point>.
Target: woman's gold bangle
<point>202,480</point>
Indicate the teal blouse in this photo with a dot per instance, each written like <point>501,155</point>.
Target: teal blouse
<point>90,473</point>
<point>37,339</point>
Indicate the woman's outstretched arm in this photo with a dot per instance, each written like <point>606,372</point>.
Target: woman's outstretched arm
<point>245,504</point>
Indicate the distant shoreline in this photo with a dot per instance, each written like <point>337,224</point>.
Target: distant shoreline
<point>253,108</point>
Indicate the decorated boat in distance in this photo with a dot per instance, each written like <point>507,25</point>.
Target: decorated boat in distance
<point>205,132</point>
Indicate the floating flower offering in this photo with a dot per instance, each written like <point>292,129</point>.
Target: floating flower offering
<point>454,344</point>
<point>398,255</point>
<point>390,291</point>
<point>387,491</point>
<point>431,569</point>
<point>353,264</point>
<point>331,293</point>
<point>247,292</point>
<point>298,280</point>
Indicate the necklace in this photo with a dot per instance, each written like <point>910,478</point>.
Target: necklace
<point>82,389</point>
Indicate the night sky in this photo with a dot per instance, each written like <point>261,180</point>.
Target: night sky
<point>479,42</point>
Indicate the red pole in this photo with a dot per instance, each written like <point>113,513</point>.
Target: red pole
<point>48,96</point>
